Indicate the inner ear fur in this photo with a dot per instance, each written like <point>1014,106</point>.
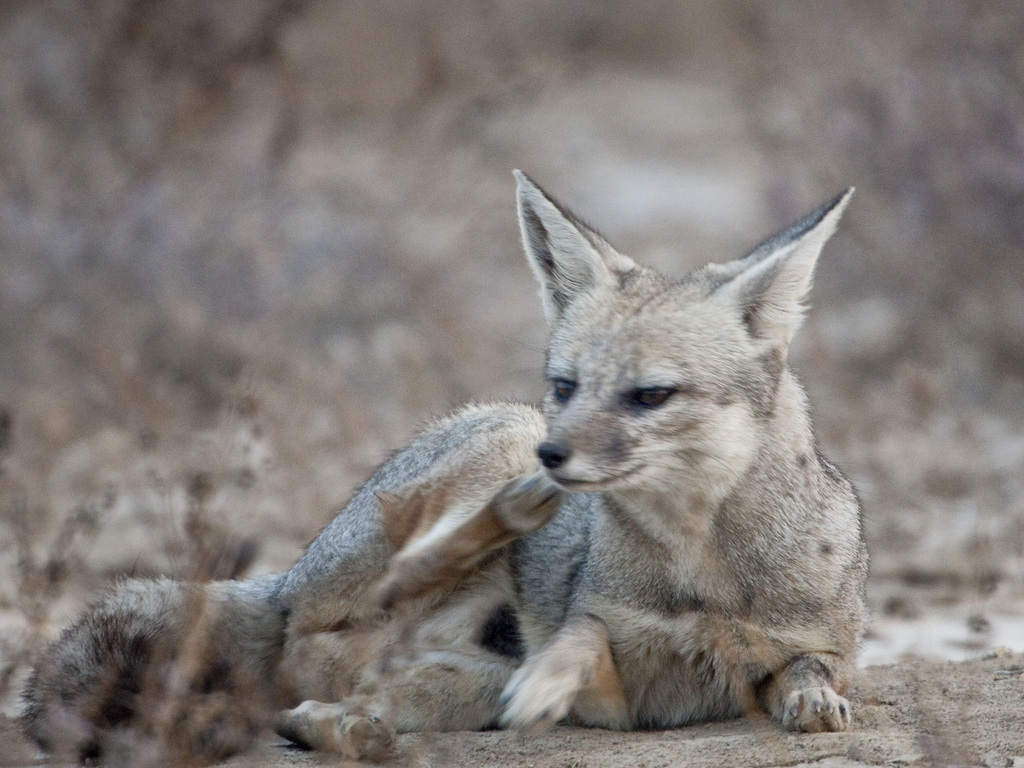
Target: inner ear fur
<point>770,286</point>
<point>569,258</point>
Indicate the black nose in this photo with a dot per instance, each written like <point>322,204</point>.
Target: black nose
<point>553,455</point>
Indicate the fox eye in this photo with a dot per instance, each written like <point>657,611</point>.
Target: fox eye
<point>563,389</point>
<point>650,397</point>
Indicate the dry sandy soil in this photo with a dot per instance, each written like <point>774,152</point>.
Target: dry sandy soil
<point>913,713</point>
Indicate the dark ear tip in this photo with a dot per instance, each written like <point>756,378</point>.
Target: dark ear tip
<point>811,220</point>
<point>842,199</point>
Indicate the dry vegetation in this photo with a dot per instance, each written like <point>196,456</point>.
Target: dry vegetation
<point>247,246</point>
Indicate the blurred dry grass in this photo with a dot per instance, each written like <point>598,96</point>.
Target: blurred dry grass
<point>247,246</point>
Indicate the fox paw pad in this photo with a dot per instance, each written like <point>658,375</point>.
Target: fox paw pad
<point>815,710</point>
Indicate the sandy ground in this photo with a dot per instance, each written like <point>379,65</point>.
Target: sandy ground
<point>913,713</point>
<point>916,712</point>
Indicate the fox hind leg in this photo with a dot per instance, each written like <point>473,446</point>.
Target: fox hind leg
<point>437,691</point>
<point>447,552</point>
<point>347,728</point>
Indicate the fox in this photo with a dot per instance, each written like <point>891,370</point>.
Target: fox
<point>660,542</point>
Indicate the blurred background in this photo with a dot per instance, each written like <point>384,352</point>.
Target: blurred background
<point>248,247</point>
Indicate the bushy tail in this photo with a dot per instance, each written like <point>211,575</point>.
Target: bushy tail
<point>188,667</point>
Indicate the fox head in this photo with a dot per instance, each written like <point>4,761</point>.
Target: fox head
<point>658,384</point>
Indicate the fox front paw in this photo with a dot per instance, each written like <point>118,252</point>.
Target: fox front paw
<point>538,696</point>
<point>815,710</point>
<point>349,731</point>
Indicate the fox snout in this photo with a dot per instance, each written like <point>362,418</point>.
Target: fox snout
<point>582,463</point>
<point>553,453</point>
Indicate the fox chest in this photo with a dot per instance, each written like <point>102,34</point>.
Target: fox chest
<point>675,667</point>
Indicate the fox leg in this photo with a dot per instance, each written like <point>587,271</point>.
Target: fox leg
<point>447,551</point>
<point>573,673</point>
<point>805,695</point>
<point>441,690</point>
<point>436,691</point>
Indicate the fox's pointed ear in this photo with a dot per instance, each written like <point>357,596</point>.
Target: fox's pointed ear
<point>770,286</point>
<point>569,258</point>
